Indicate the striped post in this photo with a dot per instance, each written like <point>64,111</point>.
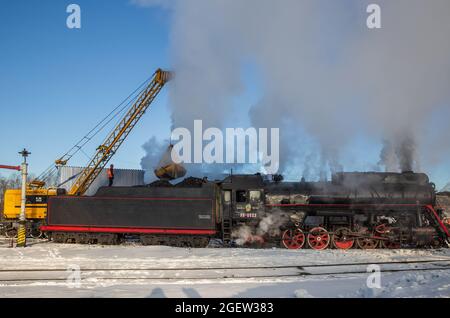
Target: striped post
<point>21,235</point>
<point>22,232</point>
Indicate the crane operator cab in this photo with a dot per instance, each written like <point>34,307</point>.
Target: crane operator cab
<point>35,208</point>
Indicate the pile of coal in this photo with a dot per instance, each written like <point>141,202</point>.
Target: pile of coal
<point>191,182</point>
<point>160,183</point>
<point>167,169</point>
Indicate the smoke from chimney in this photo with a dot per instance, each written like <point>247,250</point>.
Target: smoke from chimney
<point>326,78</point>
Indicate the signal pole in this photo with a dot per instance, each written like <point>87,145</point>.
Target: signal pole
<point>22,232</point>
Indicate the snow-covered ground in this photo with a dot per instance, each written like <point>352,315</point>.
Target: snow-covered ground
<point>157,271</point>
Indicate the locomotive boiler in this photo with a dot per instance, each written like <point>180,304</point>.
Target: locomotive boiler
<point>355,209</point>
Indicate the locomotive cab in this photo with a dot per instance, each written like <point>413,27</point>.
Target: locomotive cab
<point>248,203</point>
<point>243,197</point>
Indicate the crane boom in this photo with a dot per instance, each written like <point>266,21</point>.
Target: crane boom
<point>119,134</point>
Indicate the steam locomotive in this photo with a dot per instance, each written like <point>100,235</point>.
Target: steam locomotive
<point>355,209</point>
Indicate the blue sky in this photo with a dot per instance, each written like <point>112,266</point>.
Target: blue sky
<point>57,83</point>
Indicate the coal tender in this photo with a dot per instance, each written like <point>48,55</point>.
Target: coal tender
<point>177,216</point>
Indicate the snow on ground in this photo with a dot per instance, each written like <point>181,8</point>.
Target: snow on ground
<point>211,283</point>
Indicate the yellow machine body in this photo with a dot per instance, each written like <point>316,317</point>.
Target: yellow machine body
<point>36,205</point>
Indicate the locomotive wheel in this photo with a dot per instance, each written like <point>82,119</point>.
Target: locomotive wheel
<point>201,241</point>
<point>36,233</point>
<point>11,233</point>
<point>342,240</point>
<point>293,239</point>
<point>82,238</point>
<point>390,244</point>
<point>107,239</point>
<point>437,243</point>
<point>318,238</point>
<point>58,237</point>
<point>367,243</point>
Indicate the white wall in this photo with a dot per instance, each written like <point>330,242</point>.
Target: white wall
<point>122,177</point>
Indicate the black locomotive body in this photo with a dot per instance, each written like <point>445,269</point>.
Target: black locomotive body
<point>367,210</point>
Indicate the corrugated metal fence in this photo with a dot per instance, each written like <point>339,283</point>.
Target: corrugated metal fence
<point>122,177</point>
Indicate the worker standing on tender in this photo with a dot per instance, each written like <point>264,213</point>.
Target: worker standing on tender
<point>110,172</point>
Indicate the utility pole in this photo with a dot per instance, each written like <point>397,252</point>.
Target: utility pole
<point>22,232</point>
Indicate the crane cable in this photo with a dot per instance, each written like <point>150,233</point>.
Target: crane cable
<point>52,169</point>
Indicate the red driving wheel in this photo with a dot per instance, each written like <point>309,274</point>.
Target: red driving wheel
<point>342,239</point>
<point>318,238</point>
<point>293,239</point>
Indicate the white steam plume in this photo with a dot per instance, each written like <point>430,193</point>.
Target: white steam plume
<point>322,70</point>
<point>270,225</point>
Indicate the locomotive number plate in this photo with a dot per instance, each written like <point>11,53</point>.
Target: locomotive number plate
<point>247,215</point>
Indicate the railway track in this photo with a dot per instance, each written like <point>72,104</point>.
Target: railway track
<point>89,275</point>
<point>232,267</point>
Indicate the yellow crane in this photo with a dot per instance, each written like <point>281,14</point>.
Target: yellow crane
<point>119,134</point>
<point>37,194</point>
